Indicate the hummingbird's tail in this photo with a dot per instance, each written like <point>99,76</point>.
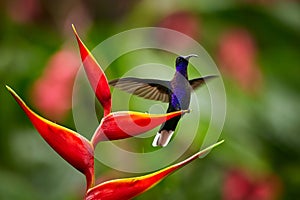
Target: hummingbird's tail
<point>162,138</point>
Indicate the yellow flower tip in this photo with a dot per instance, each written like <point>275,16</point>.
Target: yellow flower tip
<point>8,88</point>
<point>12,91</point>
<point>74,29</point>
<point>75,32</point>
<point>187,111</point>
<point>210,148</point>
<point>214,145</point>
<point>78,38</point>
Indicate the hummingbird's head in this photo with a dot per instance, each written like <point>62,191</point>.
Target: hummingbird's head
<point>182,62</point>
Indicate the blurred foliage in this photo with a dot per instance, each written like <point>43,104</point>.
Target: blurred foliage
<point>262,125</point>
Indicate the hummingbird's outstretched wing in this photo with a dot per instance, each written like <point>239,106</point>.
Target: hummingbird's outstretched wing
<point>152,89</point>
<point>197,82</point>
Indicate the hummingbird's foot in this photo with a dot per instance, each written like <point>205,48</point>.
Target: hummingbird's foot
<point>162,138</point>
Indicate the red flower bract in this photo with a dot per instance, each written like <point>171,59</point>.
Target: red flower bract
<point>71,146</point>
<point>95,75</point>
<point>121,125</point>
<point>127,188</point>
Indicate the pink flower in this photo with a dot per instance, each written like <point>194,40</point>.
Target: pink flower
<point>24,11</point>
<point>52,92</point>
<point>244,185</point>
<point>181,21</point>
<point>237,52</point>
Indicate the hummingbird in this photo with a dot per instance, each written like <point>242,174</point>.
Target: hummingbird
<point>176,92</point>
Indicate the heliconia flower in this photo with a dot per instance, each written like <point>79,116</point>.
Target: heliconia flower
<point>71,146</point>
<point>128,188</point>
<point>95,75</point>
<point>125,124</point>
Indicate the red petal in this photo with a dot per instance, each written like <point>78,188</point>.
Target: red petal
<point>121,125</point>
<point>71,146</point>
<point>95,75</point>
<point>124,189</point>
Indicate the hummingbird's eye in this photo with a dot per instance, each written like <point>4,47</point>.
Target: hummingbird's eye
<point>179,60</point>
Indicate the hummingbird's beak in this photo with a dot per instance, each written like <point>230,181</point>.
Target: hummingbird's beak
<point>189,56</point>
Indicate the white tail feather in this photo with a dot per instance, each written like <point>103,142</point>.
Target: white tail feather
<point>162,138</point>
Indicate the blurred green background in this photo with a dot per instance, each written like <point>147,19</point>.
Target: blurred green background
<point>255,44</point>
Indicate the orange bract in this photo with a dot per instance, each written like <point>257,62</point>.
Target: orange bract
<point>121,125</point>
<point>71,146</point>
<point>95,75</point>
